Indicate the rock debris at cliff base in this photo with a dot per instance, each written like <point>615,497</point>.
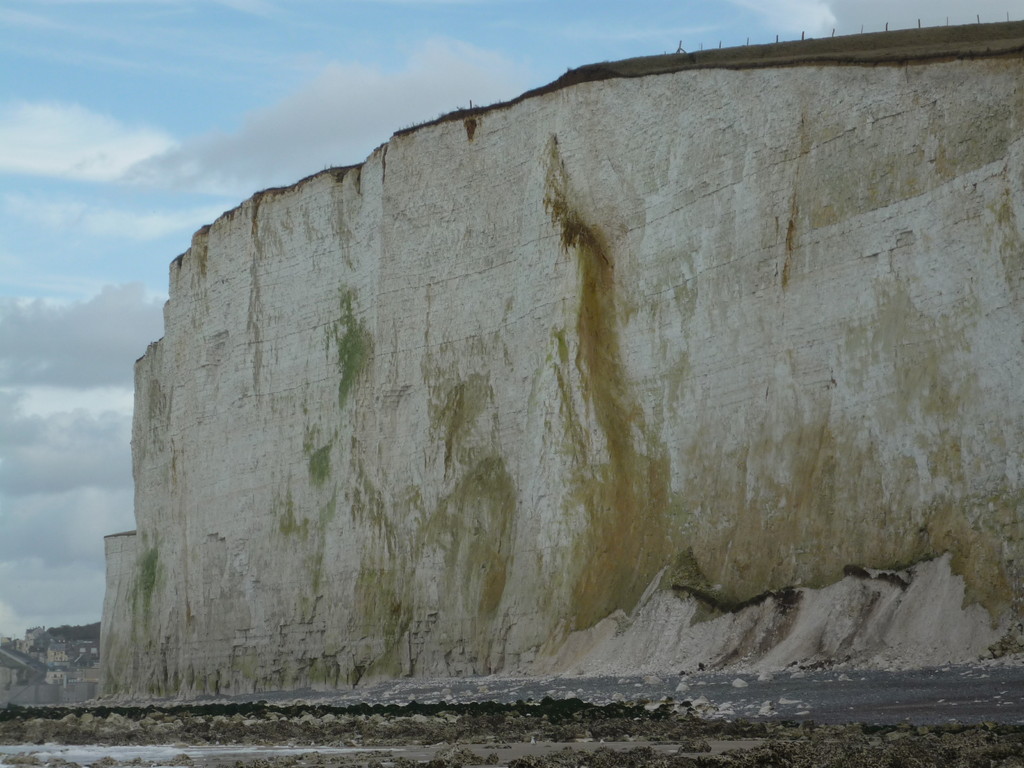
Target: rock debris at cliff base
<point>554,735</point>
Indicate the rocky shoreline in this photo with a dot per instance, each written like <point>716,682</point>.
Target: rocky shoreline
<point>566,734</point>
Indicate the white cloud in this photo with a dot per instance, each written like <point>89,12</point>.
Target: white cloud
<point>47,401</point>
<point>337,119</point>
<point>82,344</point>
<point>246,6</point>
<point>65,459</point>
<point>820,17</point>
<point>12,18</point>
<point>11,625</point>
<point>64,527</point>
<point>427,2</point>
<point>22,280</point>
<point>65,482</point>
<point>789,16</point>
<point>71,142</point>
<point>588,30</point>
<point>903,14</point>
<point>60,452</point>
<point>109,223</point>
<point>256,7</point>
<point>36,593</point>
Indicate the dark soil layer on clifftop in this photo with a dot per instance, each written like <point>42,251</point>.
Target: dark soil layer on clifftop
<point>549,733</point>
<point>895,48</point>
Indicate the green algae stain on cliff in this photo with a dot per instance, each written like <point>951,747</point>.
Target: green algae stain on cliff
<point>146,580</point>
<point>318,458</point>
<point>367,502</point>
<point>288,523</point>
<point>379,592</point>
<point>383,592</point>
<point>329,510</point>
<point>626,498</point>
<point>473,526</point>
<point>320,465</point>
<point>243,666</point>
<point>382,582</point>
<point>1010,244</point>
<point>353,345</point>
<point>464,538</point>
<point>454,413</point>
<point>791,489</point>
<point>575,442</point>
<point>381,599</point>
<point>465,544</point>
<point>201,251</point>
<point>148,572</point>
<point>315,560</point>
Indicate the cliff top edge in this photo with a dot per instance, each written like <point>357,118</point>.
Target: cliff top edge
<point>898,47</point>
<point>890,48</point>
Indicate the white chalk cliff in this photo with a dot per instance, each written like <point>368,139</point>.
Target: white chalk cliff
<point>714,357</point>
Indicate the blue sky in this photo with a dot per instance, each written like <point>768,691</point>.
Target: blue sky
<point>125,125</point>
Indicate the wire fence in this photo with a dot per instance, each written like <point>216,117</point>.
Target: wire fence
<point>865,30</point>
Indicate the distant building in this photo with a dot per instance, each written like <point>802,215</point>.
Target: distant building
<point>83,653</point>
<point>35,643</point>
<point>84,674</point>
<point>56,655</point>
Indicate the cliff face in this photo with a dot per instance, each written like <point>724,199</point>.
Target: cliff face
<point>722,330</point>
